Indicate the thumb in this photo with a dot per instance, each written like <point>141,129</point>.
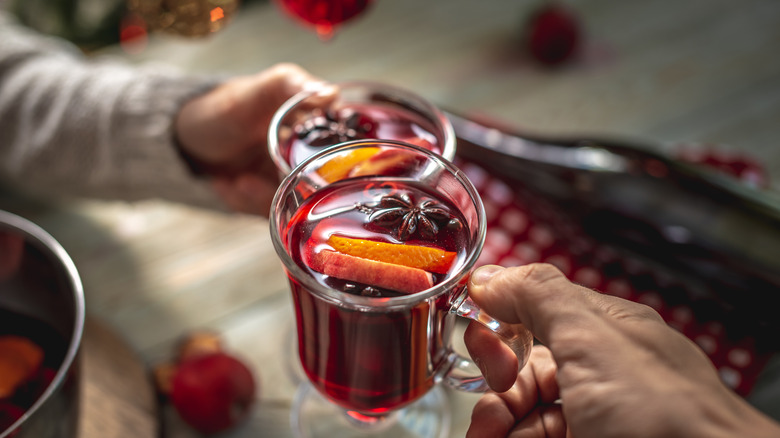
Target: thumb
<point>537,295</point>
<point>274,86</point>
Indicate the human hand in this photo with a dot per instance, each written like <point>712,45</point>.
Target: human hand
<point>609,367</point>
<point>224,133</point>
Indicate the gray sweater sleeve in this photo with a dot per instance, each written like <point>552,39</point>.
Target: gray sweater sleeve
<point>73,126</point>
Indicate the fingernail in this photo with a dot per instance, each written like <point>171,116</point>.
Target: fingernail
<point>483,274</point>
<point>319,87</point>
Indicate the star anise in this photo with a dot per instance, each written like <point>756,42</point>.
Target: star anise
<point>409,217</point>
<point>330,127</point>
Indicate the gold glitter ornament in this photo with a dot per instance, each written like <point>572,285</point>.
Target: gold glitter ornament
<point>188,18</point>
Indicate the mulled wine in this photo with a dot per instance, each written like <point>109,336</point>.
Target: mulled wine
<point>376,238</point>
<point>315,120</point>
<point>327,127</point>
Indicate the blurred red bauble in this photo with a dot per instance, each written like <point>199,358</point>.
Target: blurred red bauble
<point>324,15</point>
<point>553,34</point>
<point>212,392</point>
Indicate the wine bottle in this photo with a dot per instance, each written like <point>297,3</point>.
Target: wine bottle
<point>721,237</point>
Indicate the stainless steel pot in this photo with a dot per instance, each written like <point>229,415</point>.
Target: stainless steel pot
<point>41,282</point>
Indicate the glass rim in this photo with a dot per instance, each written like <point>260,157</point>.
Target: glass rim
<point>359,302</point>
<point>440,118</point>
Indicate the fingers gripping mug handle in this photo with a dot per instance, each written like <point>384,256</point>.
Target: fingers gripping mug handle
<point>462,375</point>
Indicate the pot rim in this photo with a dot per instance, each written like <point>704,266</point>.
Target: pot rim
<point>39,235</point>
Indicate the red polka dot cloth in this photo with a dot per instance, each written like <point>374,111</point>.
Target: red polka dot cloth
<point>518,234</point>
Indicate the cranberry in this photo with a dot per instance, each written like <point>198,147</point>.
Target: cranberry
<point>212,392</point>
<point>553,34</point>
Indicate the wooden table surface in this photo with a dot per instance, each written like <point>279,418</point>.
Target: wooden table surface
<point>662,72</point>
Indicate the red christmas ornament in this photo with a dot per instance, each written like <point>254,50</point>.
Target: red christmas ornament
<point>553,34</point>
<point>323,15</point>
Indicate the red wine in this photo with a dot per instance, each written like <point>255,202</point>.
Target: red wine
<point>375,360</point>
<point>370,362</point>
<point>355,121</point>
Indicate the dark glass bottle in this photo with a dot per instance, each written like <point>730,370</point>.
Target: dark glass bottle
<point>718,237</point>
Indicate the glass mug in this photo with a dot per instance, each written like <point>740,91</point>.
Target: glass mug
<point>347,111</point>
<point>374,337</point>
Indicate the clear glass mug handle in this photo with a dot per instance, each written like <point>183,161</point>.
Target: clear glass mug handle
<point>462,375</point>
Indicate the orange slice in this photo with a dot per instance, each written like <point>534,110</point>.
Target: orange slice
<point>340,166</point>
<point>385,275</point>
<point>426,258</point>
<point>390,162</point>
